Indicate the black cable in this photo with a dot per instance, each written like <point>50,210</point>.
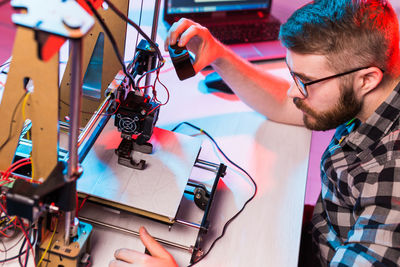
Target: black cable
<point>5,251</point>
<point>13,258</point>
<point>11,122</point>
<point>24,234</point>
<point>5,63</point>
<point>86,112</point>
<point>27,258</point>
<point>31,232</point>
<point>112,40</point>
<point>82,111</point>
<point>8,227</point>
<point>27,234</point>
<point>16,256</point>
<point>237,166</point>
<point>132,23</point>
<point>19,240</point>
<point>20,252</point>
<point>140,22</point>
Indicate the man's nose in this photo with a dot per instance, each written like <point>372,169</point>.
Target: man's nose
<point>294,91</point>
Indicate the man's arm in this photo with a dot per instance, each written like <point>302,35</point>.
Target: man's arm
<point>262,91</point>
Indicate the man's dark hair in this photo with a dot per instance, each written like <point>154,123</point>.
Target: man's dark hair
<point>350,33</point>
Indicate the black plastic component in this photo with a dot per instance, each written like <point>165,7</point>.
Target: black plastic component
<point>201,196</point>
<point>215,82</point>
<point>207,211</point>
<point>145,53</point>
<point>181,59</point>
<point>25,199</point>
<point>124,152</point>
<point>134,118</point>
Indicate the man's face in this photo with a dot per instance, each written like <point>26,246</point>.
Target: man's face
<point>329,103</point>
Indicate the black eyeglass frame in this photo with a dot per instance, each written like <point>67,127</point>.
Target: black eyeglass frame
<point>303,86</point>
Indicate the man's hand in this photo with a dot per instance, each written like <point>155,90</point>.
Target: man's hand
<point>197,39</point>
<point>159,256</point>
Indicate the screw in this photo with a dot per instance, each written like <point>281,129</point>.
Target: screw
<point>72,22</point>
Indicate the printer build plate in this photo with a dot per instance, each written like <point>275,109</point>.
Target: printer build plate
<point>157,190</point>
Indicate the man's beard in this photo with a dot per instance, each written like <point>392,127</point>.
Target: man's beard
<point>345,109</point>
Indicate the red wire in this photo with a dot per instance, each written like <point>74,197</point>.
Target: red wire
<point>5,182</point>
<point>16,163</point>
<point>147,86</point>
<point>26,179</point>
<point>26,256</point>
<point>155,95</point>
<point>82,203</point>
<point>2,232</point>
<point>166,89</point>
<point>9,226</point>
<point>77,202</point>
<point>16,168</point>
<point>156,107</point>
<point>27,240</point>
<point>116,109</point>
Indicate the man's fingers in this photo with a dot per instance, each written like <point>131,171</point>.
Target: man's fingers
<point>188,34</point>
<point>130,256</point>
<point>152,245</point>
<point>117,263</point>
<point>176,30</point>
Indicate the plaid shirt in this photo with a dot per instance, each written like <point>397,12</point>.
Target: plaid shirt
<point>356,221</point>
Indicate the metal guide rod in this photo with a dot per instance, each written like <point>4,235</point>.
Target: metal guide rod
<point>205,168</point>
<point>135,233</point>
<point>211,164</point>
<point>75,102</point>
<point>153,37</point>
<point>190,224</point>
<point>206,165</point>
<point>93,120</point>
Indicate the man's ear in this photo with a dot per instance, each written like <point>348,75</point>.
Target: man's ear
<point>367,80</point>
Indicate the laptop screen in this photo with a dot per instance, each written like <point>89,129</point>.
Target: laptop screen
<point>203,6</point>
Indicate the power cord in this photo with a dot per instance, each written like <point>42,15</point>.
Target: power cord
<point>112,40</point>
<point>133,24</point>
<point>234,164</point>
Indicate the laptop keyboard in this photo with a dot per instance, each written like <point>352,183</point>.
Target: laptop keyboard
<point>233,33</point>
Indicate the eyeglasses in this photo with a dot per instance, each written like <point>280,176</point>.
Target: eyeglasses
<point>302,86</point>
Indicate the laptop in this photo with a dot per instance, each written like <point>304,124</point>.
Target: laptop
<point>246,26</point>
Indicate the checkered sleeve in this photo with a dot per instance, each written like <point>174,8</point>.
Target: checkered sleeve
<point>360,255</point>
<point>374,238</point>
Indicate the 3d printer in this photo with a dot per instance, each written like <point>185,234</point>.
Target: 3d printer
<point>42,195</point>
